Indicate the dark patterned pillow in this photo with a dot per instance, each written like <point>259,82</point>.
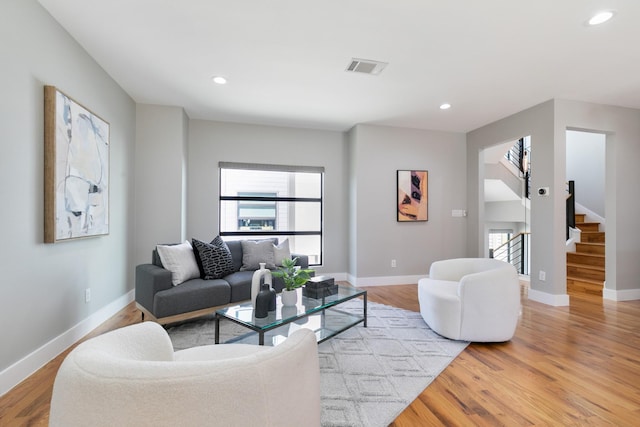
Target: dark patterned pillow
<point>214,259</point>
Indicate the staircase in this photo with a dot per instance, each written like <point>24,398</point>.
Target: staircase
<point>585,266</point>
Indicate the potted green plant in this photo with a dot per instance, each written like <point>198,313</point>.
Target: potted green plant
<point>293,277</point>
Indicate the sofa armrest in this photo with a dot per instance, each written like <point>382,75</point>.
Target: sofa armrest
<point>303,260</point>
<point>150,279</point>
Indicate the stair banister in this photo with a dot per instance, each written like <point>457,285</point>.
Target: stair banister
<point>571,208</point>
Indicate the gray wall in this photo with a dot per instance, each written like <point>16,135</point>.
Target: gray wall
<point>547,124</point>
<point>211,142</point>
<point>160,178</point>
<point>622,126</point>
<point>547,213</point>
<point>377,152</point>
<point>586,166</point>
<point>42,285</point>
<point>360,180</point>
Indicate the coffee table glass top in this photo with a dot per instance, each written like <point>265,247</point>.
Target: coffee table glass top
<point>243,313</point>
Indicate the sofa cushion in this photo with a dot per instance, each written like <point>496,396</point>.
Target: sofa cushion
<point>180,261</point>
<point>214,259</point>
<point>235,247</point>
<point>195,294</point>
<point>256,251</point>
<point>240,283</point>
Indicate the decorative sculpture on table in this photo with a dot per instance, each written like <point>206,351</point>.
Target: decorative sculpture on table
<point>261,299</point>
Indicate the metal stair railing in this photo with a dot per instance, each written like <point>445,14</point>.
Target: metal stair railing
<point>571,207</point>
<point>519,157</point>
<point>515,251</point>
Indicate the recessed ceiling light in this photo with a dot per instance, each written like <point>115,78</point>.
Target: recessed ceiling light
<point>220,80</point>
<point>445,106</point>
<point>601,17</point>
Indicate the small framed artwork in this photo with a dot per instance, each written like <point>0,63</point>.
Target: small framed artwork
<point>76,170</point>
<point>413,191</point>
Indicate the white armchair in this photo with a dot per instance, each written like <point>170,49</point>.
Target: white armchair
<point>132,377</point>
<point>471,299</point>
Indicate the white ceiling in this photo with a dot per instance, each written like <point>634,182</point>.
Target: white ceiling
<point>286,59</point>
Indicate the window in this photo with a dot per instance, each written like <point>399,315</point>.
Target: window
<point>498,238</point>
<point>260,201</point>
<point>256,215</point>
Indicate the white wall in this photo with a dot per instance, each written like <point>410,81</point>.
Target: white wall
<point>43,285</point>
<point>377,152</point>
<point>513,211</point>
<point>586,166</point>
<point>211,142</point>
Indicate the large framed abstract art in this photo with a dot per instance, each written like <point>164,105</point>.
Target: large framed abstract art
<point>76,170</point>
<point>413,191</point>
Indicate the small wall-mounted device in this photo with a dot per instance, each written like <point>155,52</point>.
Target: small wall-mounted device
<point>543,191</point>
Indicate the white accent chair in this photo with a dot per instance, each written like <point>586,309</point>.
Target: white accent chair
<point>471,299</point>
<point>132,377</point>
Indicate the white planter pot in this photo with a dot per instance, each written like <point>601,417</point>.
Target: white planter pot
<point>289,297</point>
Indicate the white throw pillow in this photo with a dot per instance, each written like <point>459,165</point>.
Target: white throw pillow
<point>281,252</point>
<point>180,261</point>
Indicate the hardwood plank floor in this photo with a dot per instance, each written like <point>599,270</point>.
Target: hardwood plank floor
<point>576,365</point>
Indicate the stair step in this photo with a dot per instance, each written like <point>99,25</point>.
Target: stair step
<point>592,236</point>
<point>579,272</point>
<point>595,260</point>
<point>588,226</point>
<point>590,248</point>
<point>584,286</point>
<point>585,266</point>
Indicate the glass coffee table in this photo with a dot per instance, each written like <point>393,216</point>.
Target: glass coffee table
<point>323,316</point>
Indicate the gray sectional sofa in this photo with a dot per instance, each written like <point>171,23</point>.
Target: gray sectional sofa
<point>160,301</point>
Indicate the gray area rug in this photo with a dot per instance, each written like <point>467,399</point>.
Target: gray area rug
<point>368,375</point>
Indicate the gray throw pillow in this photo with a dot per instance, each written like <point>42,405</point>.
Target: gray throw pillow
<point>214,259</point>
<point>254,252</point>
<point>281,252</point>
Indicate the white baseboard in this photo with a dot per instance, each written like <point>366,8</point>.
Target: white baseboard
<point>22,369</point>
<point>338,277</point>
<point>384,280</point>
<point>549,299</point>
<point>622,295</point>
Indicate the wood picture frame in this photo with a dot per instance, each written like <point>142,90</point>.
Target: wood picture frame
<point>76,169</point>
<point>412,203</point>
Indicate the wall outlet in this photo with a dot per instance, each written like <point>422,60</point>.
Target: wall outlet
<point>542,276</point>
<point>393,263</point>
<point>87,295</point>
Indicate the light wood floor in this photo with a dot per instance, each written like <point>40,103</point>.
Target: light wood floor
<point>577,365</point>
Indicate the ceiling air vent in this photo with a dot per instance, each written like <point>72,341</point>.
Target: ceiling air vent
<point>366,66</point>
